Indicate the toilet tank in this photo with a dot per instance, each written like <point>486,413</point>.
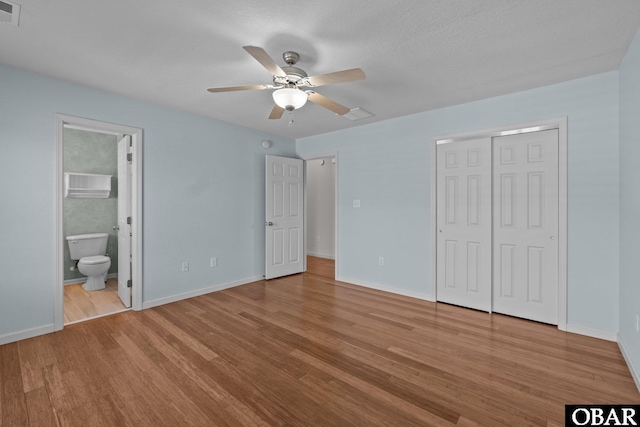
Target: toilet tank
<point>83,245</point>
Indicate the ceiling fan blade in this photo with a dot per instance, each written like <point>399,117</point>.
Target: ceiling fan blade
<point>337,77</point>
<point>263,57</point>
<point>277,112</point>
<point>327,103</point>
<point>235,88</point>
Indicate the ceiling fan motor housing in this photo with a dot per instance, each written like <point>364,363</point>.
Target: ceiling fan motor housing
<point>290,58</point>
<point>293,76</point>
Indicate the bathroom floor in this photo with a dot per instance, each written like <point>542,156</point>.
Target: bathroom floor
<point>81,305</point>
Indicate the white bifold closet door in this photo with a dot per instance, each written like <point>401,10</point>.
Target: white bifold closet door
<point>463,270</point>
<point>497,224</point>
<point>525,225</point>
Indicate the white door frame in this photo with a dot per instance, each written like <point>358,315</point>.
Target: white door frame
<point>333,154</point>
<point>63,121</point>
<point>559,123</point>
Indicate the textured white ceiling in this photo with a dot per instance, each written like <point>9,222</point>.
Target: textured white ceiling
<point>418,55</point>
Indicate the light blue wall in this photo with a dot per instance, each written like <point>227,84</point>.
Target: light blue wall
<point>630,201</point>
<point>203,194</point>
<point>387,166</point>
<point>203,191</point>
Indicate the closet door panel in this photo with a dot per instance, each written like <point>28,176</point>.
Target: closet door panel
<point>463,240</point>
<point>525,225</point>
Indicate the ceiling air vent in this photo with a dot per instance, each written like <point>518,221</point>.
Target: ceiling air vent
<point>9,12</point>
<point>357,114</point>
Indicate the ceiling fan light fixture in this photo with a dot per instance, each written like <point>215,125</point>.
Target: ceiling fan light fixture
<point>289,98</point>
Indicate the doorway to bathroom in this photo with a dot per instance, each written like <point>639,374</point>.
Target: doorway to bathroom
<point>98,224</point>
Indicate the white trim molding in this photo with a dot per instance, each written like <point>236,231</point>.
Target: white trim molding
<point>590,332</point>
<point>386,288</point>
<point>320,255</point>
<point>635,374</point>
<point>64,121</point>
<point>559,123</point>
<point>198,292</point>
<point>27,333</point>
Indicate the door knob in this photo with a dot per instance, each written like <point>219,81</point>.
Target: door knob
<point>116,227</point>
<point>268,223</point>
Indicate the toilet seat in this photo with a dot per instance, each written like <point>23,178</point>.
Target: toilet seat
<point>94,260</point>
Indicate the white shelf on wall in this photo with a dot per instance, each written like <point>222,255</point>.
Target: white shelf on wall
<point>87,185</point>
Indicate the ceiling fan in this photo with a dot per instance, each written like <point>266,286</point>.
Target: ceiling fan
<point>291,83</point>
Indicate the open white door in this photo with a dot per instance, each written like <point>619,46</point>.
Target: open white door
<point>284,219</point>
<point>124,221</point>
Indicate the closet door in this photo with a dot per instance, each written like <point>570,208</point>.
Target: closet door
<point>463,218</point>
<point>525,225</point>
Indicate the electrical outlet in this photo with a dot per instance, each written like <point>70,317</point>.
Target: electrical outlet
<point>214,262</point>
<point>185,266</point>
<point>356,203</point>
<point>381,260</point>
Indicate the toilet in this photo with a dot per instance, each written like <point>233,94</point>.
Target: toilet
<point>90,252</point>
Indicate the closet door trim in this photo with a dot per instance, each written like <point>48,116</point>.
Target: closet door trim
<point>557,123</point>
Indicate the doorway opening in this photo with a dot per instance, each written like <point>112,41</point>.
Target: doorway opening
<point>87,213</point>
<point>322,215</point>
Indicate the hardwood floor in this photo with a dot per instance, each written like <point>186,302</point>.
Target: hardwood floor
<point>321,266</point>
<point>305,350</point>
<point>80,304</point>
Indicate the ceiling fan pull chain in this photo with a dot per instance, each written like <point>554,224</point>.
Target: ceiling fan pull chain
<point>290,118</point>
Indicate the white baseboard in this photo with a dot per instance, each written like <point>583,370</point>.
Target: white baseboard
<point>635,374</point>
<point>46,329</point>
<point>590,332</point>
<point>28,333</point>
<point>84,279</point>
<point>198,292</point>
<point>576,329</point>
<point>391,289</point>
<point>320,255</point>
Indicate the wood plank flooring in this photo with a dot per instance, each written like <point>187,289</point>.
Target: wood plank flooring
<point>80,304</point>
<point>321,266</point>
<point>305,350</point>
